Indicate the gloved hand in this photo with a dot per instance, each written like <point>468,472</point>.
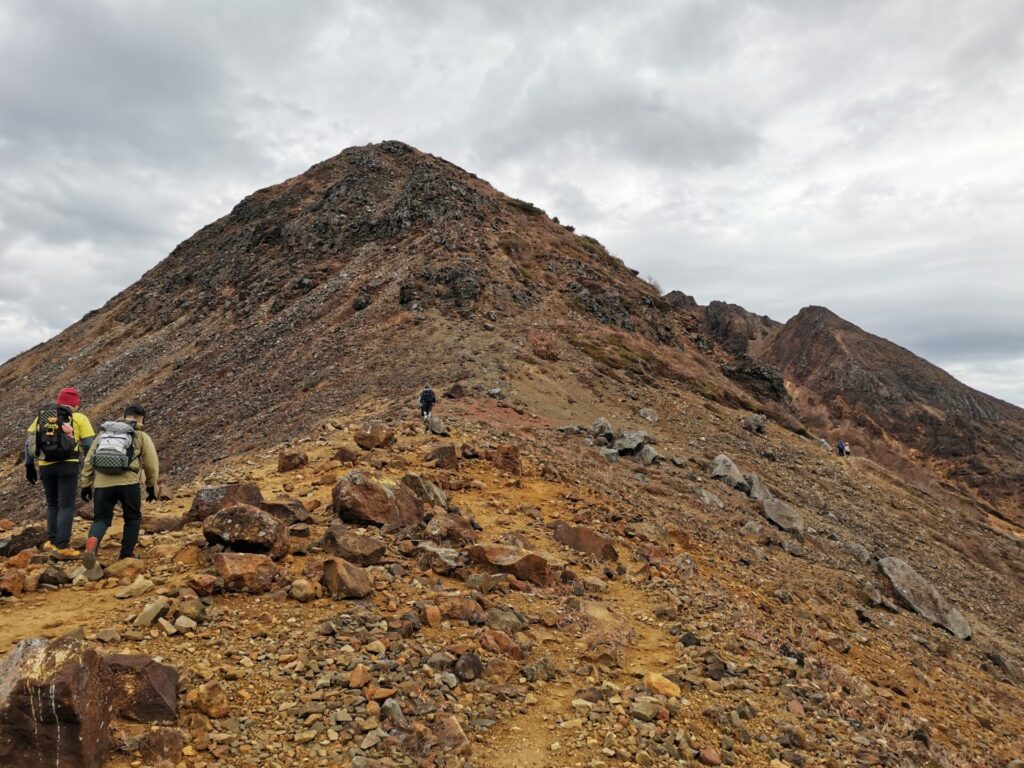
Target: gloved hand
<point>87,494</point>
<point>150,493</point>
<point>30,473</point>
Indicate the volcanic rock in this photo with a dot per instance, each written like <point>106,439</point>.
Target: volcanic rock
<point>374,434</point>
<point>291,459</point>
<point>425,491</point>
<point>12,542</point>
<point>506,458</point>
<point>782,515</point>
<point>249,573</point>
<point>53,706</point>
<point>724,469</point>
<point>358,499</point>
<point>245,528</point>
<point>584,540</point>
<point>287,509</point>
<point>342,541</point>
<point>920,596</point>
<point>210,500</point>
<point>521,563</point>
<point>342,579</point>
<point>444,457</point>
<point>143,690</point>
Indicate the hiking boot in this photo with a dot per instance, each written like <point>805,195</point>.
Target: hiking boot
<point>91,546</point>
<point>48,547</point>
<point>66,554</point>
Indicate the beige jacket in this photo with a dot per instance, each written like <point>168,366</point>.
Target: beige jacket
<point>144,461</point>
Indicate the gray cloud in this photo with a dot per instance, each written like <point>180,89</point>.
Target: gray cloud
<point>773,153</point>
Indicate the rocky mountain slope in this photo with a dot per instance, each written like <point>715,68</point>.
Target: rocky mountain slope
<point>886,395</point>
<point>600,555</point>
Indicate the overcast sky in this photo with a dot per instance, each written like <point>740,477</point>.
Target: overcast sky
<point>867,156</point>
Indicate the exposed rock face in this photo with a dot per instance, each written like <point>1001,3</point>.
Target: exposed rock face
<point>253,574</point>
<point>735,328</point>
<point>245,528</point>
<point>211,500</point>
<point>53,706</point>
<point>143,690</point>
<point>358,499</point>
<point>920,596</point>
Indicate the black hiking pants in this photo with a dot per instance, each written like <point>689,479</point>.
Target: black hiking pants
<point>60,482</point>
<point>103,502</point>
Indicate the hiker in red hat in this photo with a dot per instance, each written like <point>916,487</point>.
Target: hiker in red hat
<point>56,439</point>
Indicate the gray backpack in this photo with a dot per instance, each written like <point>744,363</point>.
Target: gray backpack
<point>115,447</point>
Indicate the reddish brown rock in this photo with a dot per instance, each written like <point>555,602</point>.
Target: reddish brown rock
<point>461,607</point>
<point>12,581</point>
<point>6,525</point>
<point>496,641</point>
<point>359,677</point>
<point>53,706</point>
<point>290,459</point>
<point>287,509</point>
<point>342,541</point>
<point>204,584</point>
<point>209,501</point>
<point>584,540</point>
<point>143,690</point>
<point>521,563</point>
<point>245,528</point>
<point>444,457</point>
<point>506,458</point>
<point>162,747</point>
<point>374,434</point>
<point>450,736</point>
<point>342,579</point>
<point>253,574</point>
<point>346,454</point>
<point>445,526</point>
<point>358,499</point>
<point>211,699</point>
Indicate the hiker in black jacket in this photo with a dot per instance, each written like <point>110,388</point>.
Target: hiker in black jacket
<point>427,400</point>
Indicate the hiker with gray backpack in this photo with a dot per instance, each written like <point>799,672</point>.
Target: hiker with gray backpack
<point>121,454</point>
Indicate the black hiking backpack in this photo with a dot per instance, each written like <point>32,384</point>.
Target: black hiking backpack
<point>52,442</point>
<point>115,447</point>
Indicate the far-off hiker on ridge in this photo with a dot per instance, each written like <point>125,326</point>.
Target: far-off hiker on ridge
<point>427,400</point>
<point>114,465</point>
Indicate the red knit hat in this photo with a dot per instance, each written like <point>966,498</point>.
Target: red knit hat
<point>69,396</point>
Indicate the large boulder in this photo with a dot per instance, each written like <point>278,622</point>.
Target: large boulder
<point>253,574</point>
<point>426,491</point>
<point>603,428</point>
<point>524,564</point>
<point>723,468</point>
<point>444,457</point>
<point>342,579</point>
<point>342,541</point>
<point>54,707</point>
<point>435,425</point>
<point>374,434</point>
<point>584,540</point>
<point>919,595</point>
<point>29,537</point>
<point>630,441</point>
<point>783,516</point>
<point>361,500</point>
<point>12,581</point>
<point>446,526</point>
<point>209,501</point>
<point>245,528</point>
<point>143,689</point>
<point>290,459</point>
<point>758,490</point>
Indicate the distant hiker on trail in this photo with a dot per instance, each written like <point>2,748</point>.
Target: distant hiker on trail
<point>842,449</point>
<point>427,400</point>
<point>56,437</point>
<point>114,464</point>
